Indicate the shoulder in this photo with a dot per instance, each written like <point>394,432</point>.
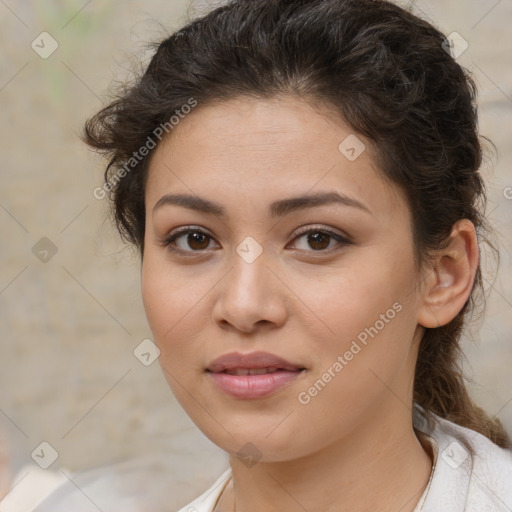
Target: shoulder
<point>30,487</point>
<point>207,500</point>
<point>491,477</point>
<point>471,474</point>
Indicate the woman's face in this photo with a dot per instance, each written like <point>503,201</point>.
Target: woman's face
<point>327,286</point>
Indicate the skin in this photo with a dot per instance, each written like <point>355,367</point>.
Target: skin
<point>353,446</point>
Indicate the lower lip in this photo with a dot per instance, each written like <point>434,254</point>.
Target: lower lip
<point>253,386</point>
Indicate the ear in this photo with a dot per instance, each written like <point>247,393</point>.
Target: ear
<point>449,281</point>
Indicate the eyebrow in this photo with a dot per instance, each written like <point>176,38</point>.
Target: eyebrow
<point>278,208</point>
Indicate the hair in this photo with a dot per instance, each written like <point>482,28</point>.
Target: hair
<point>381,70</point>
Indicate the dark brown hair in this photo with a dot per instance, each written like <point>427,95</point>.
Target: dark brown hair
<point>384,72</point>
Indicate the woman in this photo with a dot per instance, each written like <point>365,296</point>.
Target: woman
<point>301,179</point>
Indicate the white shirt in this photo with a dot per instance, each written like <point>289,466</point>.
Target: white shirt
<point>459,482</point>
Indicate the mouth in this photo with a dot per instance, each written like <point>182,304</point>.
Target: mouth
<point>253,375</point>
<point>254,371</point>
<point>260,362</point>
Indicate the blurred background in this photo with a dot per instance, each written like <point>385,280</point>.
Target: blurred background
<point>71,314</point>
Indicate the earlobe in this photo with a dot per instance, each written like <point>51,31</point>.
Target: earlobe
<point>450,280</point>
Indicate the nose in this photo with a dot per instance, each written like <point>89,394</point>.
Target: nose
<point>250,297</point>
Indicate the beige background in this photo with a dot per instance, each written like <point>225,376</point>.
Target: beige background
<point>69,326</point>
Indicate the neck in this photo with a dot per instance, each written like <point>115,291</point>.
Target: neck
<point>381,466</point>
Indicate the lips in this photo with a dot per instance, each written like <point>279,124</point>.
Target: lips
<point>251,371</point>
<point>252,361</point>
<point>254,375</point>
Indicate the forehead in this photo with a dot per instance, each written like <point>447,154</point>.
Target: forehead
<point>249,149</point>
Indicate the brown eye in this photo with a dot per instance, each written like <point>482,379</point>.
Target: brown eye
<point>197,241</point>
<point>188,240</point>
<point>319,240</point>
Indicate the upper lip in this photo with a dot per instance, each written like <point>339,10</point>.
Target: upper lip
<point>235,360</point>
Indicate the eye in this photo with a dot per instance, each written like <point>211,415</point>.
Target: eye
<point>321,239</point>
<point>194,239</point>
<point>190,239</point>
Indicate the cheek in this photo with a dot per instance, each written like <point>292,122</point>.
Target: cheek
<point>348,302</point>
<point>368,318</point>
<point>166,306</point>
<point>157,294</point>
<point>358,366</point>
<point>167,298</point>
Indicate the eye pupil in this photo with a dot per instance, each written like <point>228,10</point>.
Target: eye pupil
<point>316,240</point>
<point>199,238</point>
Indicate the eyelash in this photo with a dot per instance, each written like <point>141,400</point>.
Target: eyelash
<point>168,241</point>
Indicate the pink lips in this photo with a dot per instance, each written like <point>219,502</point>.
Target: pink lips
<point>253,375</point>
